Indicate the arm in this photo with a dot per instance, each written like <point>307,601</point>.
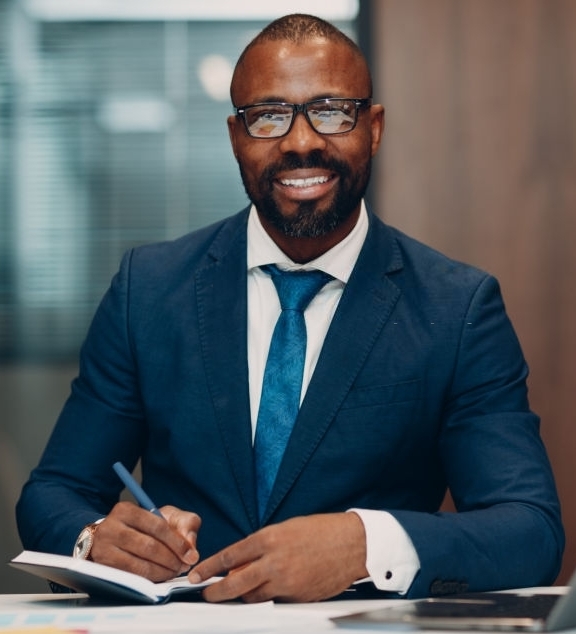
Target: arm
<point>507,531</point>
<point>101,422</point>
<point>74,484</point>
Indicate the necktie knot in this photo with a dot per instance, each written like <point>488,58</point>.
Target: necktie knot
<point>296,289</point>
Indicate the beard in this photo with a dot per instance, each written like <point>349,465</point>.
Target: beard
<point>310,220</point>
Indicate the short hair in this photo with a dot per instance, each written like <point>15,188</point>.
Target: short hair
<point>298,28</point>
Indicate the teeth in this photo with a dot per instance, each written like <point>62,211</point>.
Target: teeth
<point>304,182</point>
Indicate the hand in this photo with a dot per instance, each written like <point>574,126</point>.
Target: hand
<point>302,559</point>
<point>133,539</point>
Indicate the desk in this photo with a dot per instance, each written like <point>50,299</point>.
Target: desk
<point>63,613</point>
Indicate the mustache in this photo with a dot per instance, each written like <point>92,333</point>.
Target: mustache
<point>312,160</point>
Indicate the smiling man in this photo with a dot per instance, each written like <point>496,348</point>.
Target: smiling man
<point>301,382</point>
<point>306,175</point>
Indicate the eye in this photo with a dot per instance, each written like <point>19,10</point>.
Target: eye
<point>267,113</point>
<point>268,119</point>
<point>331,117</point>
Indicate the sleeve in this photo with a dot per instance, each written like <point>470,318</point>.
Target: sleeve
<point>507,530</point>
<point>101,422</point>
<point>391,560</point>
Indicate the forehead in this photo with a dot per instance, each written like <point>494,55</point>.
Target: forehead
<point>285,71</point>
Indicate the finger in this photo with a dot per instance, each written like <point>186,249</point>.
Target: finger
<point>187,525</point>
<point>155,571</point>
<point>136,540</point>
<point>121,546</point>
<point>162,530</point>
<point>230,558</point>
<point>244,583</point>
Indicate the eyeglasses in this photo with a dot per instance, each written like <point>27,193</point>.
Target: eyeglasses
<point>275,119</point>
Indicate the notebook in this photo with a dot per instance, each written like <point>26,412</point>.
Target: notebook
<point>488,611</point>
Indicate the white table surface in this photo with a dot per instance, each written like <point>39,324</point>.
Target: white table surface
<point>53,613</point>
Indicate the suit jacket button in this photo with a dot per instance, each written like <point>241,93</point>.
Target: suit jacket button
<point>436,587</point>
<point>439,587</point>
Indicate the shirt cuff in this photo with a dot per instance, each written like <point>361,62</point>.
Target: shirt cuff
<point>391,559</point>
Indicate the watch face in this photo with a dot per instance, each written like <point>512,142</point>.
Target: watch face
<point>83,544</point>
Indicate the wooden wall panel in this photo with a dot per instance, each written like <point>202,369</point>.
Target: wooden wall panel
<point>479,160</point>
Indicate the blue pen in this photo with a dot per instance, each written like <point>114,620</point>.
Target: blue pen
<point>137,491</point>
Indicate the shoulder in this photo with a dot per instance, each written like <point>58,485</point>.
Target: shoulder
<point>422,262</point>
<point>427,277</point>
<point>186,253</point>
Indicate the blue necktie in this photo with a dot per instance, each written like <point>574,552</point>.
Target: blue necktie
<point>282,385</point>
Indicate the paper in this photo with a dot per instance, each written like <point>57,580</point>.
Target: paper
<point>102,581</point>
<point>193,618</point>
<point>44,630</point>
<point>76,612</point>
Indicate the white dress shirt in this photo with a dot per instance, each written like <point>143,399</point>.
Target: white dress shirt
<point>391,561</point>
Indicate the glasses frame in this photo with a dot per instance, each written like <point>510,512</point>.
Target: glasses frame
<point>240,111</point>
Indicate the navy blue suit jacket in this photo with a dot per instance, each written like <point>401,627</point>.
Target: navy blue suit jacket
<point>420,385</point>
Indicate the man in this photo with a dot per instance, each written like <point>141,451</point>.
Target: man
<point>414,380</point>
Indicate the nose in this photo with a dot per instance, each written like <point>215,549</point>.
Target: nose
<point>302,137</point>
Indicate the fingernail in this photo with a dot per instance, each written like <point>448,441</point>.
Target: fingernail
<point>191,556</point>
<point>194,577</point>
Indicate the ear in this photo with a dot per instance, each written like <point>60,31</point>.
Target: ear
<point>233,124</point>
<point>377,122</point>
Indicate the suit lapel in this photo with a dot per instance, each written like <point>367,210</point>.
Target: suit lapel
<point>222,310</point>
<point>364,308</point>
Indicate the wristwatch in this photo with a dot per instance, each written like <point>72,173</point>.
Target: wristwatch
<point>83,544</point>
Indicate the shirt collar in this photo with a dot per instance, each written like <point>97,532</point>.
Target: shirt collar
<point>337,262</point>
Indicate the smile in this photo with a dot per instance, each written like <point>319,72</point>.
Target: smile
<point>304,182</point>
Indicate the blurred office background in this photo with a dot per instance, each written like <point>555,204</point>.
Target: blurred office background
<point>112,134</point>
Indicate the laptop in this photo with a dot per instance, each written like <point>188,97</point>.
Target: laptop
<point>488,611</point>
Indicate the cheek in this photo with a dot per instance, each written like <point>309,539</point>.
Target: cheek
<point>253,160</point>
<point>356,155</point>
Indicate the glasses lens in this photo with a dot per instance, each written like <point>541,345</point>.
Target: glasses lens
<point>332,116</point>
<point>268,120</point>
